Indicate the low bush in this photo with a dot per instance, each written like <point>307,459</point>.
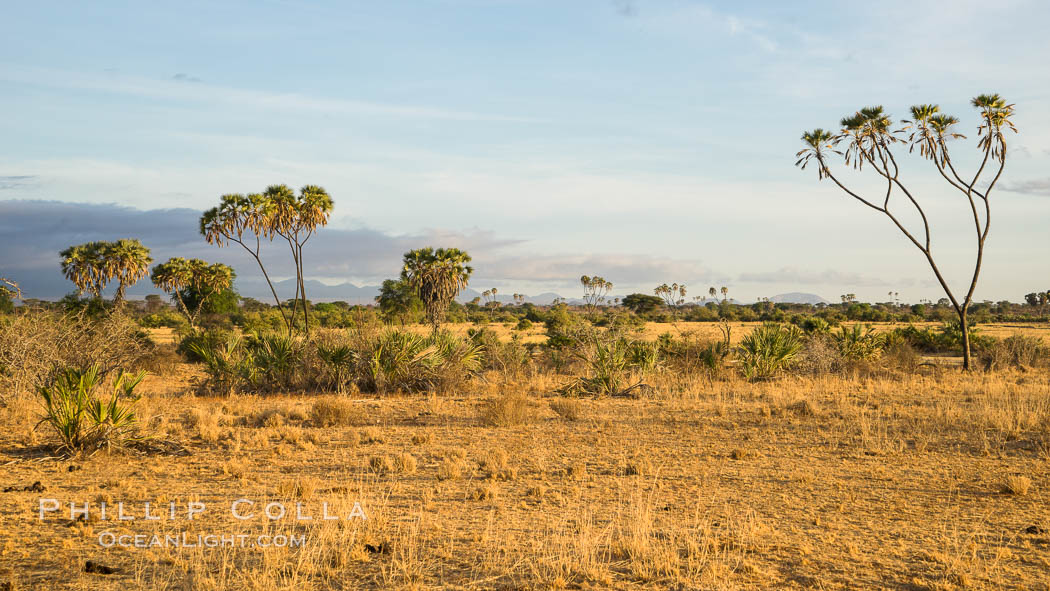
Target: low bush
<point>1014,351</point>
<point>510,410</point>
<point>769,349</point>
<point>34,342</point>
<point>81,419</point>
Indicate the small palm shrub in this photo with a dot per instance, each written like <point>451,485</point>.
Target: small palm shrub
<point>858,343</point>
<point>81,419</point>
<point>403,361</point>
<point>229,367</point>
<point>277,359</point>
<point>337,365</point>
<point>611,360</point>
<point>769,349</point>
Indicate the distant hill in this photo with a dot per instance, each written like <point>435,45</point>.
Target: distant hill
<point>796,297</point>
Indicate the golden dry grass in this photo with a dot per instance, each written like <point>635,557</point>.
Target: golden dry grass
<point>701,330</point>
<point>936,481</point>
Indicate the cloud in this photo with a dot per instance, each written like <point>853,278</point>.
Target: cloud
<point>177,89</point>
<point>565,269</point>
<point>625,8</point>
<point>185,78</point>
<point>18,181</point>
<point>36,231</point>
<point>1030,187</point>
<point>792,275</point>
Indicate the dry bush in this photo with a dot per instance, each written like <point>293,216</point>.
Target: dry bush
<point>900,355</point>
<point>371,435</point>
<point>497,464</point>
<point>162,360</point>
<point>1013,351</point>
<point>451,469</point>
<point>567,408</point>
<point>510,410</point>
<point>381,464</point>
<point>336,412</point>
<point>300,488</point>
<point>819,355</point>
<point>406,463</point>
<point>34,342</point>
<point>1017,485</point>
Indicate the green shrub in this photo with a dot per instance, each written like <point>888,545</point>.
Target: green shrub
<point>404,361</point>
<point>191,342</point>
<point>80,418</point>
<point>858,343</point>
<point>163,319</point>
<point>229,367</point>
<point>769,349</point>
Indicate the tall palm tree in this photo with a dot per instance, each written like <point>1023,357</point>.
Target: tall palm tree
<point>296,218</point>
<point>178,274</point>
<point>127,261</point>
<point>84,265</point>
<point>869,142</point>
<point>437,276</point>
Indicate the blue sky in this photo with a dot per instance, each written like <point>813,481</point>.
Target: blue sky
<point>646,141</point>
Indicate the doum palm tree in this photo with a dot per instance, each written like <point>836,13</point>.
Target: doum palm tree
<point>91,266</point>
<point>437,276</point>
<point>869,141</point>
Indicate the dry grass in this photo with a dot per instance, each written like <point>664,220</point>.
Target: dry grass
<point>824,482</point>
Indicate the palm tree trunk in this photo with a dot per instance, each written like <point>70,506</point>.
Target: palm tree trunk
<point>118,298</point>
<point>965,328</point>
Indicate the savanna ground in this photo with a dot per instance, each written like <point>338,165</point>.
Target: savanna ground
<point>932,480</point>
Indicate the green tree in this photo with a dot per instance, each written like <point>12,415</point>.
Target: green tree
<point>641,303</point>
<point>9,292</point>
<point>248,220</point>
<point>867,139</point>
<point>397,299</point>
<point>127,261</point>
<point>193,283</point>
<point>437,276</point>
<point>91,266</point>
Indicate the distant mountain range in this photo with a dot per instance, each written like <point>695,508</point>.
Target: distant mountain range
<point>366,294</point>
<point>798,298</point>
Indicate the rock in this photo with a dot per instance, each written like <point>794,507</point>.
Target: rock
<point>100,569</point>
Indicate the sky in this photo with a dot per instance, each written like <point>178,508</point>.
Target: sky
<point>645,141</point>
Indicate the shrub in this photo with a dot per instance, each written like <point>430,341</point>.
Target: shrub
<point>568,409</point>
<point>769,349</point>
<point>277,360</point>
<point>819,355</point>
<point>229,367</point>
<point>859,344</point>
<point>403,361</point>
<point>1013,351</point>
<point>33,342</point>
<point>81,419</point>
<point>191,342</point>
<point>510,410</point>
<point>335,412</point>
<point>508,357</point>
<point>164,319</point>
<point>690,355</point>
